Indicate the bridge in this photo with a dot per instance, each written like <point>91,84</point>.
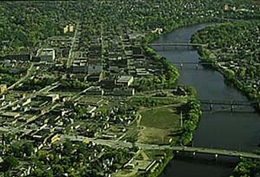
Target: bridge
<point>176,44</point>
<point>178,149</point>
<point>230,103</point>
<point>215,152</point>
<point>196,64</point>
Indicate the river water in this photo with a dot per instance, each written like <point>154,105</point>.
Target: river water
<point>219,128</point>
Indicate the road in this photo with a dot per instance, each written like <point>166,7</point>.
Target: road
<point>71,52</point>
<point>28,73</point>
<point>123,144</point>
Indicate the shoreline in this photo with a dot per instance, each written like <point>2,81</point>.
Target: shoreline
<point>244,166</point>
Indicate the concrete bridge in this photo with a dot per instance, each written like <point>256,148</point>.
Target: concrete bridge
<point>215,152</point>
<point>202,150</point>
<point>175,45</point>
<point>183,65</point>
<point>177,149</point>
<point>231,103</point>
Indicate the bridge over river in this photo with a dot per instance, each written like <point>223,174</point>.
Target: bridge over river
<point>231,103</point>
<point>177,149</point>
<point>215,152</point>
<point>176,45</point>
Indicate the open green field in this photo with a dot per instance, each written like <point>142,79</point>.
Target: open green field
<point>162,117</point>
<point>157,124</point>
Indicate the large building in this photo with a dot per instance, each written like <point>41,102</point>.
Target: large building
<point>125,80</point>
<point>80,65</point>
<point>47,55</point>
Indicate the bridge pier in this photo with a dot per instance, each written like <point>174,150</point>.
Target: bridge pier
<point>216,156</point>
<point>231,108</point>
<point>197,66</point>
<point>211,107</point>
<point>181,66</point>
<point>194,154</point>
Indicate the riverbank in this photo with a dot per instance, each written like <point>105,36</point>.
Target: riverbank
<point>190,112</point>
<point>186,138</point>
<point>236,59</point>
<point>232,70</point>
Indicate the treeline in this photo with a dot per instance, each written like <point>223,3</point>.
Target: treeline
<point>72,85</point>
<point>246,168</point>
<point>191,117</point>
<point>35,84</point>
<point>165,78</point>
<point>29,23</point>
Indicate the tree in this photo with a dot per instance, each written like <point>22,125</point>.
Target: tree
<point>28,148</point>
<point>9,163</point>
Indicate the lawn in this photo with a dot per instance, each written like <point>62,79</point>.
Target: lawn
<point>162,118</point>
<point>157,124</point>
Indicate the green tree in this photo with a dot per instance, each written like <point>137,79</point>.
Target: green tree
<point>9,163</point>
<point>28,148</point>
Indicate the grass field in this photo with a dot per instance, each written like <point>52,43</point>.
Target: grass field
<point>162,117</point>
<point>157,123</point>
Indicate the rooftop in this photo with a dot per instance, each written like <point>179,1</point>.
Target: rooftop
<point>125,78</point>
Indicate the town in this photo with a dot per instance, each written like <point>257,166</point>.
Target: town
<point>83,93</point>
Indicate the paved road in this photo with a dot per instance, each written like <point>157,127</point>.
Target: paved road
<point>122,144</point>
<point>23,78</point>
<point>71,53</point>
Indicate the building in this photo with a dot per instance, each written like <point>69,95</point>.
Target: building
<point>3,88</point>
<point>123,92</point>
<point>68,28</point>
<point>65,29</point>
<point>50,97</point>
<point>125,80</point>
<point>13,115</point>
<point>226,7</point>
<point>94,91</point>
<point>94,66</point>
<point>19,56</point>
<point>71,28</point>
<point>79,68</point>
<point>47,55</point>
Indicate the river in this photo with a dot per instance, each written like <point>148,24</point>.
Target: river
<point>217,128</point>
